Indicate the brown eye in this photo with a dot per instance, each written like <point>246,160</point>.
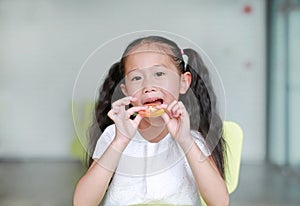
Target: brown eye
<point>136,78</point>
<point>159,74</point>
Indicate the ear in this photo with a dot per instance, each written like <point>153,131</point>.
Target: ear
<point>185,82</point>
<point>124,90</point>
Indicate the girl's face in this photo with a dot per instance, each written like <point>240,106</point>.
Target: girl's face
<point>152,77</point>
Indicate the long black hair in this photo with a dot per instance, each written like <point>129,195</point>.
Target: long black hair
<point>209,124</point>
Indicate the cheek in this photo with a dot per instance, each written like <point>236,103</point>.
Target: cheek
<point>138,97</point>
<point>172,87</point>
<point>130,87</point>
<point>172,84</point>
<point>133,89</point>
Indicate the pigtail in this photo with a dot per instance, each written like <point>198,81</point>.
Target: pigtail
<point>210,123</point>
<point>102,107</point>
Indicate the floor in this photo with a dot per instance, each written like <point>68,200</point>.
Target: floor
<point>50,183</point>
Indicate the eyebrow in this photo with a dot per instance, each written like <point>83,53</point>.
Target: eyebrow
<point>132,71</point>
<point>160,65</point>
<point>155,65</point>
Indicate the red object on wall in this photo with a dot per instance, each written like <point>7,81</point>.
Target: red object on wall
<point>247,9</point>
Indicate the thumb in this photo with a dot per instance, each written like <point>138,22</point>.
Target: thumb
<point>166,117</point>
<point>137,119</point>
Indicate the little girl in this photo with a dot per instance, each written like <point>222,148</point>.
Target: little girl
<point>155,160</point>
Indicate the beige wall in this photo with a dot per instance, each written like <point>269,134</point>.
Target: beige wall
<point>43,45</point>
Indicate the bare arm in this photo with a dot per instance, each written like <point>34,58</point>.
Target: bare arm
<point>211,185</point>
<point>92,186</point>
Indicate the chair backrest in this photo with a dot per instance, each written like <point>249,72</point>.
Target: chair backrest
<point>83,121</point>
<point>233,135</point>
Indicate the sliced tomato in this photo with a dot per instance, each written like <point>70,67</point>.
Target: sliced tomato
<point>151,111</point>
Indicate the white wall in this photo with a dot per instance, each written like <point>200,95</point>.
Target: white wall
<point>44,44</point>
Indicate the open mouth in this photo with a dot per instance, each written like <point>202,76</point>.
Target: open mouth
<point>155,101</point>
<point>152,111</point>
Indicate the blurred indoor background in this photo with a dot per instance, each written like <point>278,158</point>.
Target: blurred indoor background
<point>254,45</point>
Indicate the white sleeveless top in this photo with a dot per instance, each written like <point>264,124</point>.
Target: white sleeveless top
<point>150,173</point>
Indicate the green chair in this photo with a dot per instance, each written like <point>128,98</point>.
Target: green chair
<point>233,135</point>
<point>82,124</point>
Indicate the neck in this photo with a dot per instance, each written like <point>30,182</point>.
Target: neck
<point>153,130</point>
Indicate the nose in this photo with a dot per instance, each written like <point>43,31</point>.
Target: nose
<point>148,84</point>
<point>149,89</point>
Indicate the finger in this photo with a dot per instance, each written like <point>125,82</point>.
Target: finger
<point>137,119</point>
<point>172,108</point>
<point>166,117</point>
<point>132,110</point>
<point>179,110</point>
<point>182,108</point>
<point>175,111</point>
<point>124,101</point>
<point>110,114</point>
<point>161,106</point>
<point>171,105</point>
<point>115,110</point>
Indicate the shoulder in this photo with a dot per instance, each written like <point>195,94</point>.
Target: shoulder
<point>104,141</point>
<point>110,128</point>
<point>107,134</point>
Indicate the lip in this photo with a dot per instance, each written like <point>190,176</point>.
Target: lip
<point>152,99</point>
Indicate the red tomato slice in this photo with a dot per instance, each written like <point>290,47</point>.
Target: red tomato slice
<point>151,111</point>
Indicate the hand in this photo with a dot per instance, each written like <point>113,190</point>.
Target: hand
<point>177,119</point>
<point>121,117</point>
